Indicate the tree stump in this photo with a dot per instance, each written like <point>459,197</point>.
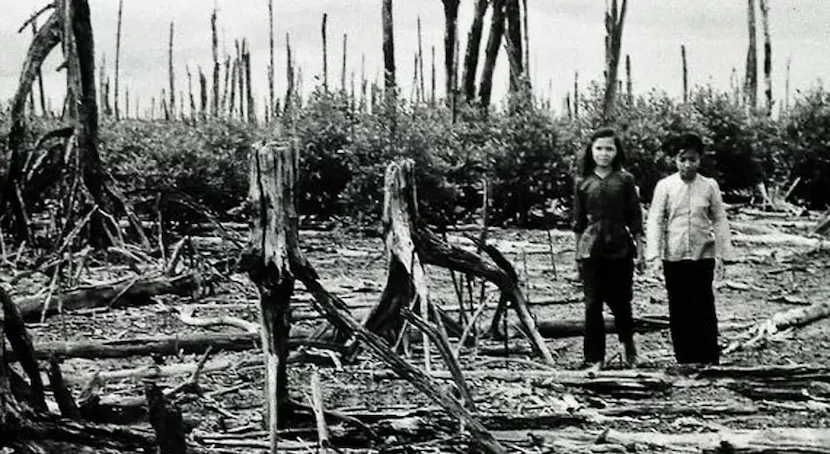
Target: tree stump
<point>412,244</point>
<point>267,264</point>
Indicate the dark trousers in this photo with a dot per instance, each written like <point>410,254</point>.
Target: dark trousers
<point>693,321</point>
<point>606,281</point>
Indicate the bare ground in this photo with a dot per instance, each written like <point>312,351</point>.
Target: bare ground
<point>767,277</point>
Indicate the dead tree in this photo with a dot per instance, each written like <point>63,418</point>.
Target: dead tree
<point>450,41</point>
<point>323,30</point>
<point>170,73</point>
<point>468,74</point>
<point>267,263</point>
<point>491,53</point>
<point>614,21</point>
<point>12,172</point>
<point>767,54</point>
<point>271,108</point>
<point>427,248</point>
<point>388,50</point>
<point>118,59</point>
<point>629,85</point>
<point>685,73</point>
<point>202,94</point>
<point>214,105</point>
<point>246,56</point>
<point>337,312</point>
<point>751,83</point>
<point>514,37</point>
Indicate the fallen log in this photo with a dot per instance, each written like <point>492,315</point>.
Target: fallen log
<point>167,345</point>
<point>557,329</point>
<point>783,440</point>
<point>620,383</point>
<point>133,292</point>
<point>792,318</point>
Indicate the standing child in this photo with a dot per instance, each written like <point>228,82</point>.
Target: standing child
<point>608,227</point>
<point>688,230</point>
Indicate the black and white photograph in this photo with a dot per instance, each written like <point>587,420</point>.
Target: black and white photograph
<point>414,226</point>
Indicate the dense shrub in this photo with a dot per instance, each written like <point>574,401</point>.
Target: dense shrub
<point>807,134</point>
<point>205,162</point>
<point>528,156</point>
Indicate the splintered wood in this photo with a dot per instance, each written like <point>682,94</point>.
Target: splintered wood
<point>267,264</point>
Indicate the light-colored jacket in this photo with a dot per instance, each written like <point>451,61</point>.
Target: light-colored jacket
<point>687,221</point>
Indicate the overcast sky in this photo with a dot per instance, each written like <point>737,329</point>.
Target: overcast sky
<point>565,36</point>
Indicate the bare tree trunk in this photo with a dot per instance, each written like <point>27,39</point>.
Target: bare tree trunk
<point>248,86</point>
<point>685,74</point>
<point>787,86</point>
<point>751,84</point>
<point>576,95</point>
<point>214,106</point>
<point>432,82</point>
<point>514,35</point>
<point>234,84</point>
<point>202,94</point>
<point>170,69</point>
<point>767,54</point>
<point>388,50</point>
<point>526,36</point>
<point>289,91</point>
<point>224,104</point>
<point>491,53</point>
<point>325,53</point>
<point>450,41</point>
<point>190,92</point>
<point>614,21</point>
<point>271,108</point>
<point>267,263</point>
<point>420,66</point>
<point>343,68</point>
<point>240,67</point>
<point>118,58</point>
<point>103,231</point>
<point>629,88</point>
<point>468,74</point>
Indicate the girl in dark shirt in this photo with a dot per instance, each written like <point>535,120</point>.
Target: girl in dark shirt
<point>608,227</point>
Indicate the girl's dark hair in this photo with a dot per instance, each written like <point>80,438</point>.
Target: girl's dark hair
<point>588,163</point>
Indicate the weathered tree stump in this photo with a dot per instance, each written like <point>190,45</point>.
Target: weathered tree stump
<point>412,244</point>
<point>338,314</point>
<point>267,262</point>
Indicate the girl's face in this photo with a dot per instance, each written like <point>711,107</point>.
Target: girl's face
<point>688,163</point>
<point>603,150</point>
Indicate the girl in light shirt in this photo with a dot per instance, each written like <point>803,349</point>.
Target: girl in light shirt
<point>687,228</point>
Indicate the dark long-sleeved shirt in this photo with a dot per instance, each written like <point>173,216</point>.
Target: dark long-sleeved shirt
<point>607,216</point>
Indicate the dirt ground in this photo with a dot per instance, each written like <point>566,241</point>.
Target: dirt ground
<point>778,266</point>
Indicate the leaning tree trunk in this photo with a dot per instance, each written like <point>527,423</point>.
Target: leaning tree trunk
<point>515,54</point>
<point>11,171</point>
<point>468,75</point>
<point>491,53</point>
<point>614,21</point>
<point>69,24</point>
